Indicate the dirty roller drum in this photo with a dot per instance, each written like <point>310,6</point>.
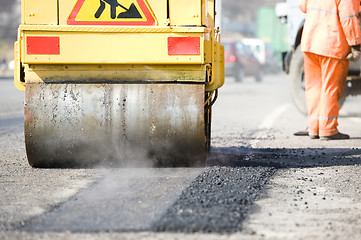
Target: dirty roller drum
<point>122,124</point>
<point>115,84</point>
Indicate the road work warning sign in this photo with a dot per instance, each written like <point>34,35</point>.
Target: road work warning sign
<point>111,12</point>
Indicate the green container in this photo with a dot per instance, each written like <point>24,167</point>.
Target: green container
<point>271,30</point>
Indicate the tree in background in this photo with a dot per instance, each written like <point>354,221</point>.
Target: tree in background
<point>10,13</point>
<point>9,18</point>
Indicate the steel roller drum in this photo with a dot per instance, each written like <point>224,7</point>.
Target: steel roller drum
<point>133,125</point>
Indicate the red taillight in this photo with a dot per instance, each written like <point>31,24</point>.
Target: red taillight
<point>232,58</point>
<point>183,45</point>
<point>42,45</point>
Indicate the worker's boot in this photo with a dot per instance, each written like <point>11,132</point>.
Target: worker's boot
<point>338,136</point>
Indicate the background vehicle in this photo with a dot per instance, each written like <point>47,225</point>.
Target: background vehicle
<point>289,12</point>
<point>264,53</point>
<point>240,61</point>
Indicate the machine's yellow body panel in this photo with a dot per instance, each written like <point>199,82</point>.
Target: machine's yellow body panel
<point>41,12</point>
<point>67,73</point>
<point>191,14</point>
<point>65,7</point>
<point>113,48</point>
<point>19,84</point>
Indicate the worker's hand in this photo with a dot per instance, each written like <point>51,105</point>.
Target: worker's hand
<point>355,53</point>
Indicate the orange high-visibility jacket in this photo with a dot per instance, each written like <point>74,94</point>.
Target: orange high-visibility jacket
<point>331,27</point>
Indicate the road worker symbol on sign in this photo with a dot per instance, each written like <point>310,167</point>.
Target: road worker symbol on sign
<point>132,12</point>
<point>111,12</point>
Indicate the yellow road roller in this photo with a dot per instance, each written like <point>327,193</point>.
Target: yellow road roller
<point>120,82</point>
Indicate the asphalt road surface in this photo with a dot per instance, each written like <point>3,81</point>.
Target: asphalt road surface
<point>261,182</point>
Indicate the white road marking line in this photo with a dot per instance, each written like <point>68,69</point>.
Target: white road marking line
<point>268,123</point>
<point>355,119</point>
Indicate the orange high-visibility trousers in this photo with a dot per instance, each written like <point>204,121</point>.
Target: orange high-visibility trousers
<point>325,82</point>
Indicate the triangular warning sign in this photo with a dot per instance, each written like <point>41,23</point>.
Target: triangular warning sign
<point>111,12</point>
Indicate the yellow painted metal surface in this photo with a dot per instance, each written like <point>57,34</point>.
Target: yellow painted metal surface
<point>185,12</point>
<point>114,45</point>
<point>106,73</point>
<point>208,55</point>
<point>65,7</point>
<point>149,86</point>
<point>204,7</point>
<point>217,79</point>
<point>218,75</point>
<point>210,13</point>
<point>23,12</point>
<point>125,12</point>
<point>88,10</point>
<point>107,29</point>
<point>129,48</point>
<point>18,72</point>
<point>41,12</point>
<point>159,9</point>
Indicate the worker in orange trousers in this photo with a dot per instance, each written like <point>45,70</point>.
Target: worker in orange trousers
<point>331,37</point>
